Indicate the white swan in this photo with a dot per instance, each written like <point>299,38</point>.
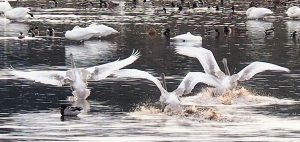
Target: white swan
<point>5,6</point>
<point>102,30</point>
<point>257,13</point>
<point>226,81</point>
<point>18,13</point>
<point>188,37</point>
<point>77,77</point>
<point>293,12</point>
<point>81,34</point>
<point>169,99</point>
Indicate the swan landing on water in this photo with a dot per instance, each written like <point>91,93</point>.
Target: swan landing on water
<point>170,101</point>
<point>225,80</point>
<point>77,77</point>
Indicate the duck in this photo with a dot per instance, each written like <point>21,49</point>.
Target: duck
<point>226,81</point>
<point>69,110</point>
<point>50,31</point>
<point>18,13</point>
<point>293,12</point>
<point>21,35</point>
<point>294,34</point>
<point>257,13</point>
<point>53,3</point>
<point>269,32</point>
<point>34,31</point>
<point>75,77</point>
<point>5,6</point>
<point>80,34</point>
<point>169,100</point>
<point>102,30</point>
<point>166,32</point>
<point>188,37</point>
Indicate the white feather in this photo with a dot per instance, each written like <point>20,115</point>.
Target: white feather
<point>45,77</point>
<point>5,6</point>
<point>293,12</point>
<point>17,13</point>
<point>257,67</point>
<point>102,30</point>
<point>193,78</point>
<point>188,37</point>
<point>78,33</point>
<point>205,57</point>
<point>257,13</point>
<point>102,71</point>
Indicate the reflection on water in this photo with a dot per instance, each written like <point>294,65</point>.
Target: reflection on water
<point>91,51</point>
<point>257,29</point>
<point>124,110</point>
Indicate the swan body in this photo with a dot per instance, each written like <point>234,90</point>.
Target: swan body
<point>226,81</point>
<point>102,30</point>
<point>188,37</point>
<point>78,33</point>
<point>170,99</point>
<point>257,13</point>
<point>293,12</point>
<point>5,6</point>
<point>77,77</point>
<point>18,13</point>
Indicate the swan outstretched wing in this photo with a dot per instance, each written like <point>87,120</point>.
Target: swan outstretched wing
<point>46,77</point>
<point>102,71</point>
<point>135,73</point>
<point>193,78</point>
<point>257,67</point>
<point>205,57</point>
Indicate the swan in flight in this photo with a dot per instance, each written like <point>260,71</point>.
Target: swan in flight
<point>257,13</point>
<point>226,81</point>
<point>18,13</point>
<point>102,30</point>
<point>77,77</point>
<point>5,6</point>
<point>293,12</point>
<point>188,37</point>
<point>79,33</point>
<point>169,100</point>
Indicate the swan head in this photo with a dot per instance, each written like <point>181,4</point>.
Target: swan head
<point>170,101</point>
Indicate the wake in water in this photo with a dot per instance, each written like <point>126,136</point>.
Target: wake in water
<point>239,96</point>
<point>205,107</point>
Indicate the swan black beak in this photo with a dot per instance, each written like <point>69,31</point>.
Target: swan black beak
<point>31,15</point>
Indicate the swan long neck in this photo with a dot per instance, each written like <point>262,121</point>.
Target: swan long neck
<point>164,81</point>
<point>73,65</point>
<point>225,66</point>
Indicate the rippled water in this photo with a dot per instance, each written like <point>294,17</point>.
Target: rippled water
<point>123,110</point>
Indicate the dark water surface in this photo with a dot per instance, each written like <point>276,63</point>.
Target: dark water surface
<point>29,111</point>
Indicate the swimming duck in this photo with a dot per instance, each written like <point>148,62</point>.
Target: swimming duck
<point>69,110</point>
